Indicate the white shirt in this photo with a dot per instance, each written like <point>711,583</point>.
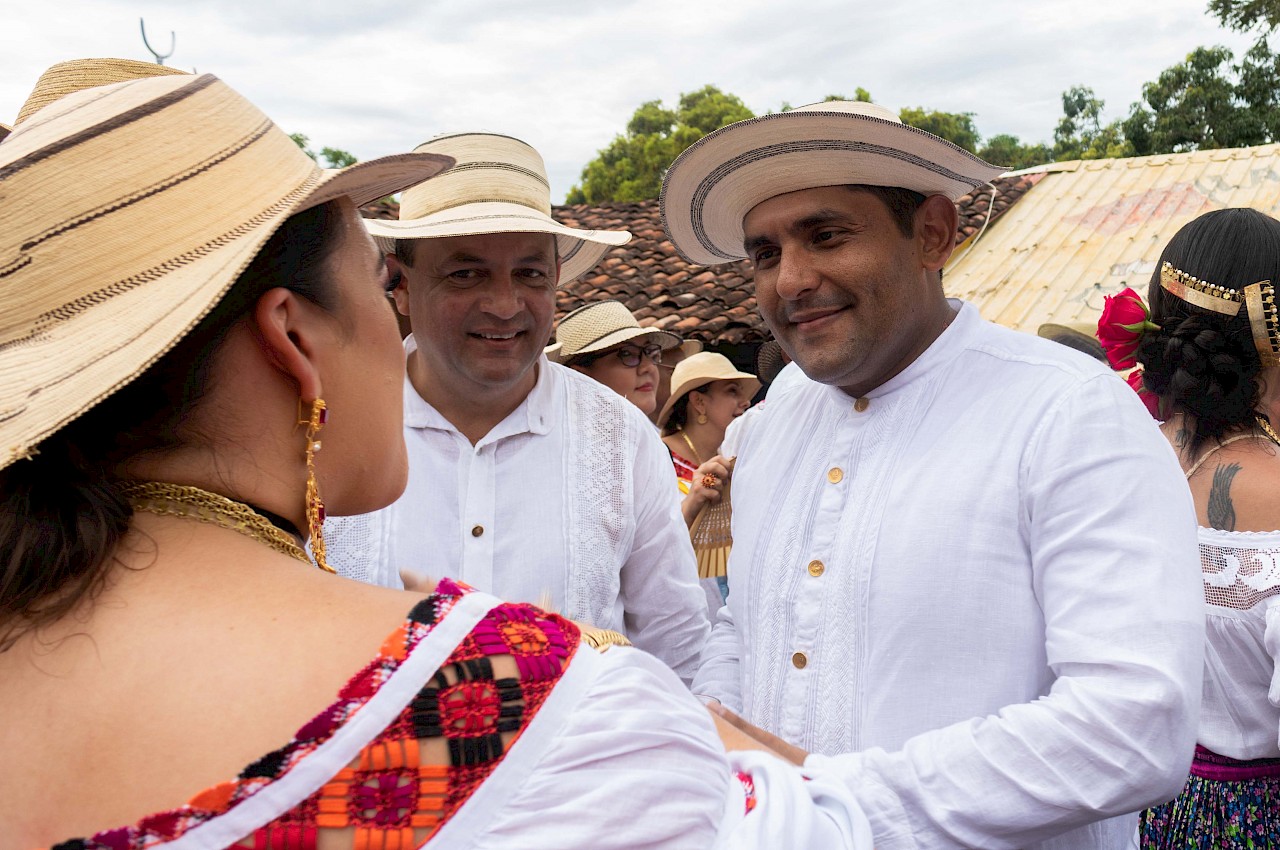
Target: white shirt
<point>974,595</point>
<point>565,503</point>
<point>1240,717</point>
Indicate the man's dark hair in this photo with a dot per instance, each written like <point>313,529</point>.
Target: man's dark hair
<point>404,250</point>
<point>902,204</point>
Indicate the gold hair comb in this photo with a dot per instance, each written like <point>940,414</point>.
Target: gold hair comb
<point>1258,299</point>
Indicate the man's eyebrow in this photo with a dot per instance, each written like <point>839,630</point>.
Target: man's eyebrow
<point>815,219</point>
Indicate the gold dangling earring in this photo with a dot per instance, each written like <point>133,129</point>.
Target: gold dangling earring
<point>315,506</point>
<point>702,419</point>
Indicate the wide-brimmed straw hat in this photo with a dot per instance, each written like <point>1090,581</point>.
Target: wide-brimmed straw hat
<point>5,130</point>
<point>128,211</point>
<point>699,369</point>
<point>498,186</point>
<point>711,187</point>
<point>600,325</point>
<point>78,74</point>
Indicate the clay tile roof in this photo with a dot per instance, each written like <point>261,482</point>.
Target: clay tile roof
<point>714,305</point>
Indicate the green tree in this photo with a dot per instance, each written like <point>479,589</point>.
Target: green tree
<point>1080,133</point>
<point>631,167</point>
<point>333,157</point>
<point>1009,151</point>
<point>1245,15</point>
<point>955,127</point>
<point>1208,102</point>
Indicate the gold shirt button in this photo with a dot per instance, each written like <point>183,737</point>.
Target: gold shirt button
<point>835,475</point>
<point>861,404</point>
<point>800,660</point>
<point>477,530</point>
<point>816,568</point>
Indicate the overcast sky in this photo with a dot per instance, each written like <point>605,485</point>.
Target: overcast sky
<point>380,76</point>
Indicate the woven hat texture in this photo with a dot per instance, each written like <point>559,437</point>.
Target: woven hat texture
<point>126,213</point>
<point>78,74</point>
<point>719,179</point>
<point>600,325</point>
<point>499,185</point>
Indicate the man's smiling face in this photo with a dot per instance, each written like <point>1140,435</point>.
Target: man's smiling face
<point>481,307</point>
<point>850,296</point>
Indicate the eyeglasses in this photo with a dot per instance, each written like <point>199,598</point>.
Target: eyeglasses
<point>630,356</point>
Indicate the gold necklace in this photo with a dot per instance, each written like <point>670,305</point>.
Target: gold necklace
<point>162,499</point>
<point>689,443</point>
<point>1267,429</point>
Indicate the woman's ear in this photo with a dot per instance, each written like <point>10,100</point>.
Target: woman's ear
<point>286,326</point>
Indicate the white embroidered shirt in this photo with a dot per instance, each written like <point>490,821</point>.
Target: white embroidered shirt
<point>973,593</point>
<point>566,503</point>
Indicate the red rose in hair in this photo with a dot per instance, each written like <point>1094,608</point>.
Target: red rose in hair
<point>1150,399</point>
<point>1120,327</point>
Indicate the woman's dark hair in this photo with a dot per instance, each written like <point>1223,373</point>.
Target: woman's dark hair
<point>1202,363</point>
<point>680,411</point>
<point>61,512</point>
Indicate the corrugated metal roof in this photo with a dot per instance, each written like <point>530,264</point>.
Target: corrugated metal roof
<point>1091,228</point>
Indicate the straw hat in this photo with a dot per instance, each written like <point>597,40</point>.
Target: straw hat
<point>703,368</point>
<point>599,325</point>
<point>711,187</point>
<point>78,74</point>
<point>498,186</point>
<point>5,130</point>
<point>129,210</point>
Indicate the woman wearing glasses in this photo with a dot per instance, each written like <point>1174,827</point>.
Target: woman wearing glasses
<point>604,341</point>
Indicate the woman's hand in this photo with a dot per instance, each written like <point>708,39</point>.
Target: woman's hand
<point>707,487</point>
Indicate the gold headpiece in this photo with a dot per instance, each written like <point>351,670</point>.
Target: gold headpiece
<point>1258,299</point>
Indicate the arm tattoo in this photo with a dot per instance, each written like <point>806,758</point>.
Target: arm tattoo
<point>1222,513</point>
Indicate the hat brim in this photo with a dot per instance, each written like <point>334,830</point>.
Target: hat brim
<point>691,384</point>
<point>580,250</point>
<point>715,182</point>
<point>665,339</point>
<point>60,370</point>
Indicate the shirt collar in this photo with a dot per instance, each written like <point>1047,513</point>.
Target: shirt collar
<point>940,353</point>
<point>534,415</point>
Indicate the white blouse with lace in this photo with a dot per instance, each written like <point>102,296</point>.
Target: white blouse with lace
<point>1240,712</point>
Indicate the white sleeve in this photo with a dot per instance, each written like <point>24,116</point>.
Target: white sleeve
<point>1111,527</point>
<point>664,608</point>
<point>1271,640</point>
<point>718,676</point>
<point>793,809</point>
<point>636,764</point>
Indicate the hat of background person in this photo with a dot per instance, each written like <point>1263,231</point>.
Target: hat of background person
<point>600,325</point>
<point>1073,338</point>
<point>688,347</point>
<point>78,74</point>
<point>769,361</point>
<point>129,211</point>
<point>711,187</point>
<point>703,368</point>
<point>5,130</point>
<point>498,186</point>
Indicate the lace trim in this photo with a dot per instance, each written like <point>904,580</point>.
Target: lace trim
<point>598,478</point>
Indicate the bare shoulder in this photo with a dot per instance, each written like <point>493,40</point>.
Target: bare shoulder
<point>1237,489</point>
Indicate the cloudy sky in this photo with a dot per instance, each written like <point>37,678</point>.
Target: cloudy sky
<point>380,76</point>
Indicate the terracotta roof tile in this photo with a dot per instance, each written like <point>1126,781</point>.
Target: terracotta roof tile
<point>714,305</point>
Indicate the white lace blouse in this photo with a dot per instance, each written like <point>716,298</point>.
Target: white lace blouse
<point>1240,712</point>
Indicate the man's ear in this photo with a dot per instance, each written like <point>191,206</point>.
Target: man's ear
<point>936,225</point>
<point>400,289</point>
<point>285,326</point>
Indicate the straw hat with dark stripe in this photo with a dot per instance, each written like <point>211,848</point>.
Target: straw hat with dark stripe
<point>128,211</point>
<point>498,186</point>
<point>711,187</point>
<point>78,74</point>
<point>600,325</point>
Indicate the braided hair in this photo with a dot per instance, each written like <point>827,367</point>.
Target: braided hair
<point>1200,363</point>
